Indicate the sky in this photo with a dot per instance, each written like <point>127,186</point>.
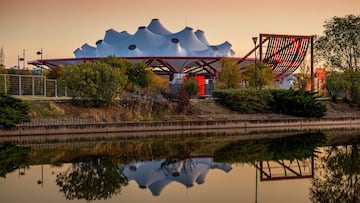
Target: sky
<point>58,27</point>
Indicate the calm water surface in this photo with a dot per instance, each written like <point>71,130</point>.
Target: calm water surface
<point>302,168</point>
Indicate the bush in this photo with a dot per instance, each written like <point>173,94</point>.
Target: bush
<point>94,84</point>
<point>244,100</point>
<point>12,111</point>
<point>297,103</point>
<point>191,86</point>
<point>291,102</point>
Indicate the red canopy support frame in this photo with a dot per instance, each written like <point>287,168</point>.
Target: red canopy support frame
<point>284,53</point>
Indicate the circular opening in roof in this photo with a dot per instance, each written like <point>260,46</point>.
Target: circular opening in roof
<point>175,40</point>
<point>132,47</point>
<point>214,48</point>
<point>98,42</point>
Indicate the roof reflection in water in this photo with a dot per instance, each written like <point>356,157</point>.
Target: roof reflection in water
<point>157,174</point>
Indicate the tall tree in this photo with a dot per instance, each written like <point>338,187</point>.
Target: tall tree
<point>94,83</point>
<point>138,74</point>
<point>340,49</point>
<point>230,74</point>
<point>340,44</point>
<point>261,77</point>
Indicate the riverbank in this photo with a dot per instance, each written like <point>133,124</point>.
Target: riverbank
<point>152,110</point>
<point>53,118</point>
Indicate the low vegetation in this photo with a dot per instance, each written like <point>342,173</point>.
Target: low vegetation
<point>12,111</point>
<point>244,100</point>
<point>291,102</point>
<point>297,103</point>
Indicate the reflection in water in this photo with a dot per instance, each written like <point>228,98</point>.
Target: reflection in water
<point>96,179</point>
<point>103,171</point>
<point>338,177</point>
<point>291,148</point>
<point>280,158</point>
<point>286,169</point>
<point>12,158</point>
<point>156,174</point>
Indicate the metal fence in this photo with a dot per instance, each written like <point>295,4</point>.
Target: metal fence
<point>31,85</point>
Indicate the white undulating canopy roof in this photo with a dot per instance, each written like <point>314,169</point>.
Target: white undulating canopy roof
<point>155,40</point>
<point>156,176</point>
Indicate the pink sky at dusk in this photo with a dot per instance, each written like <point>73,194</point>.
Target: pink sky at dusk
<point>60,26</point>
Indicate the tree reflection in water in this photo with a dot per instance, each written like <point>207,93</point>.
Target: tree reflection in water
<point>338,177</point>
<point>295,147</point>
<point>12,157</point>
<point>93,180</point>
<point>100,173</point>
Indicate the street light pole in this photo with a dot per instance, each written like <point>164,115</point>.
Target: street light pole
<point>41,58</point>
<point>23,58</point>
<point>18,65</point>
<point>20,59</point>
<point>256,73</point>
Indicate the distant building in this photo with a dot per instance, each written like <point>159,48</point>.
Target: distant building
<point>188,52</point>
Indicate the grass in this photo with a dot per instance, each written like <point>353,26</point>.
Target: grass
<point>43,110</point>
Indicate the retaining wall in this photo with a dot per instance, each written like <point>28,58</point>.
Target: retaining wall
<point>244,126</point>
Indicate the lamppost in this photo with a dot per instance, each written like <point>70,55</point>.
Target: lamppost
<point>20,59</point>
<point>41,58</point>
<point>18,66</point>
<point>256,74</point>
<point>23,58</point>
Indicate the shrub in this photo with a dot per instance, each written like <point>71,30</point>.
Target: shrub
<point>191,86</point>
<point>244,100</point>
<point>94,84</point>
<point>296,103</point>
<point>291,102</point>
<point>12,111</point>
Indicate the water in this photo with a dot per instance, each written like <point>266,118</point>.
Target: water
<point>310,167</point>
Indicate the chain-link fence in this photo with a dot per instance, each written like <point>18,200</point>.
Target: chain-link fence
<point>31,85</point>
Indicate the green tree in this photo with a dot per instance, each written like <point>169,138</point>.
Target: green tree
<point>336,85</point>
<point>94,83</point>
<point>191,86</point>
<point>230,74</point>
<point>339,48</point>
<point>138,74</point>
<point>261,77</point>
<point>93,180</point>
<point>12,111</point>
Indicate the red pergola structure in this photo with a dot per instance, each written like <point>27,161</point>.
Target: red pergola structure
<point>286,169</point>
<point>283,53</point>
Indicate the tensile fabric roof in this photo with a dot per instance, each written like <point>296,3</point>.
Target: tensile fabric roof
<point>154,40</point>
